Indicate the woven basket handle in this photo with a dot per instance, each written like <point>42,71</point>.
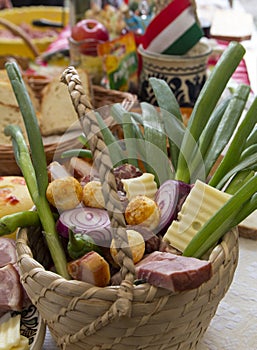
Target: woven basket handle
<point>104,166</point>
<point>21,33</point>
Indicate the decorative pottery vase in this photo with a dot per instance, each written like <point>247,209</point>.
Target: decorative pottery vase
<point>185,74</point>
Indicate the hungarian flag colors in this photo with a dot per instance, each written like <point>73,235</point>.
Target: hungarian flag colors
<point>174,30</point>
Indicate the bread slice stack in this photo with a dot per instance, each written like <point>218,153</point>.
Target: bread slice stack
<point>9,109</point>
<point>57,113</point>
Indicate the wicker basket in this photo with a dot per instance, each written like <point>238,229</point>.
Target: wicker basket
<point>82,316</point>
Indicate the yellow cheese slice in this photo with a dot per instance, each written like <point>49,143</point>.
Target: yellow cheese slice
<point>202,202</point>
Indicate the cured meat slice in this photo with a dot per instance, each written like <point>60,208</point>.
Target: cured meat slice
<point>173,272</point>
<point>11,293</point>
<point>7,251</point>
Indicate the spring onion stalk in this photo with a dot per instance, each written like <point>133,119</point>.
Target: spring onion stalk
<point>204,142</point>
<point>115,150</point>
<point>237,145</point>
<point>226,127</point>
<point>77,152</point>
<point>222,221</point>
<point>205,104</point>
<point>246,210</point>
<point>248,152</point>
<point>165,98</point>
<point>130,139</point>
<point>249,163</point>
<point>167,101</point>
<point>175,130</point>
<point>83,140</point>
<point>10,223</point>
<point>34,168</point>
<point>238,180</point>
<point>252,138</point>
<point>156,144</point>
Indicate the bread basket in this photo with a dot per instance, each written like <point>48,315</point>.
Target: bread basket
<point>100,97</point>
<point>82,316</point>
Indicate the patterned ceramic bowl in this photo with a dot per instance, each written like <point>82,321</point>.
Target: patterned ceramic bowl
<point>185,74</point>
<point>32,327</point>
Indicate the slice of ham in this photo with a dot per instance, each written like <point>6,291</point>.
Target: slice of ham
<point>11,293</point>
<point>7,251</point>
<point>173,272</point>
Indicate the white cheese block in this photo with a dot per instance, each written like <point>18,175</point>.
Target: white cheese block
<point>10,333</point>
<point>141,185</point>
<point>202,202</point>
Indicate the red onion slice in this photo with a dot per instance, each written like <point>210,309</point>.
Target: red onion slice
<point>170,197</point>
<point>167,198</point>
<point>82,219</point>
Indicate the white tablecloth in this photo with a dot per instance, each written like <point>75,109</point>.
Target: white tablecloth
<point>234,325</point>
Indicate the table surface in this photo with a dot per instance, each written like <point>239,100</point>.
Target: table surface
<point>234,325</point>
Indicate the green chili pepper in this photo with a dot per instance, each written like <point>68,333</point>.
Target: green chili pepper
<point>79,244</point>
<point>10,223</point>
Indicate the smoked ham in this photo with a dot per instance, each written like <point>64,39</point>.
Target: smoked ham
<point>7,251</point>
<point>11,292</point>
<point>173,272</point>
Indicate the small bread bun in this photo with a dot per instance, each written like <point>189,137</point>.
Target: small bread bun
<point>14,195</point>
<point>143,211</point>
<point>136,243</point>
<point>64,193</point>
<point>92,195</point>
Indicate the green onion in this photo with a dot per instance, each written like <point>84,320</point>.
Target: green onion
<point>238,180</point>
<point>175,130</point>
<point>115,150</point>
<point>130,139</point>
<point>205,104</point>
<point>236,146</point>
<point>34,169</point>
<point>249,163</point>
<point>77,152</point>
<point>226,127</point>
<point>165,98</point>
<point>155,144</point>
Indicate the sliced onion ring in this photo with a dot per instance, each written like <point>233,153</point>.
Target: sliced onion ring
<point>82,219</point>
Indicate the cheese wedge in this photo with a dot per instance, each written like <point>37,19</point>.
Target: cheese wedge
<point>202,202</point>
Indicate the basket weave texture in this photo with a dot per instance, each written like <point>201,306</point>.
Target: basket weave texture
<point>82,316</point>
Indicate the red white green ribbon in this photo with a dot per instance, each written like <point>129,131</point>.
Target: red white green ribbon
<point>174,30</point>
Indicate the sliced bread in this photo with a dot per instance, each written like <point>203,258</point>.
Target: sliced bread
<point>57,111</point>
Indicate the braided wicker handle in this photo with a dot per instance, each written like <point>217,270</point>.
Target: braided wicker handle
<point>104,166</point>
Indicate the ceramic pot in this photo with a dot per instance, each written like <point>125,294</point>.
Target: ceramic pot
<point>185,74</point>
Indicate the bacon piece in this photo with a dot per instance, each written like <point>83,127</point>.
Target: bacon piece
<point>11,293</point>
<point>7,251</point>
<point>173,272</point>
<point>91,268</point>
